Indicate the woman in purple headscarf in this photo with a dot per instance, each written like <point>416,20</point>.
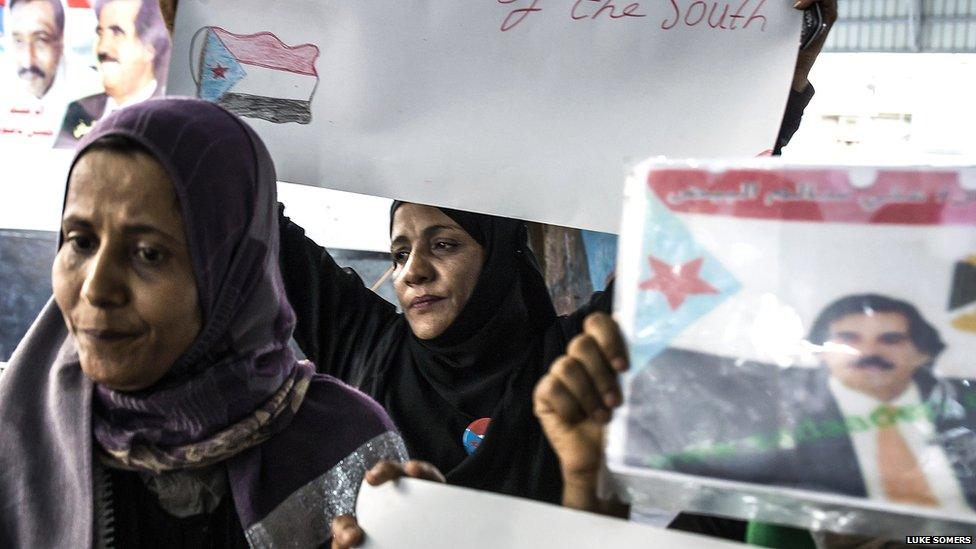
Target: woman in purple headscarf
<point>155,400</point>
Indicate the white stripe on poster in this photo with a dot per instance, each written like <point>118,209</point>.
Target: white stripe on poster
<point>275,83</point>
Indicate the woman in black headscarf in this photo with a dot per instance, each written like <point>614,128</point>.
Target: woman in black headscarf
<point>477,333</point>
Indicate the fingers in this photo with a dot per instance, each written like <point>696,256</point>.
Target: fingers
<point>552,397</point>
<point>345,529</point>
<point>423,470</point>
<point>829,8</point>
<point>604,329</point>
<point>346,532</point>
<point>830,11</point>
<point>385,471</point>
<point>584,351</point>
<point>582,384</point>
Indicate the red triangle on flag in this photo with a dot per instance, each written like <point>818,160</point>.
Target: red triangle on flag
<point>79,4</point>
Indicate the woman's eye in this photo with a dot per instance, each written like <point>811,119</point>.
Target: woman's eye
<point>81,243</point>
<point>399,256</point>
<point>151,256</point>
<point>444,245</point>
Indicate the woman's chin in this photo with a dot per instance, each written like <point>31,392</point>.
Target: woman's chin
<point>427,334</point>
<point>427,328</point>
<point>118,377</point>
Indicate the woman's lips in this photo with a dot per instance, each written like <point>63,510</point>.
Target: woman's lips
<point>108,336</point>
<point>424,302</point>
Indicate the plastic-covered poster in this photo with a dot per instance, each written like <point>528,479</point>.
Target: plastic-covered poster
<point>64,64</point>
<point>802,344</point>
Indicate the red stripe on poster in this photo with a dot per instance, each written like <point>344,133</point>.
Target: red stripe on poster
<point>896,197</point>
<point>264,49</point>
<point>79,4</point>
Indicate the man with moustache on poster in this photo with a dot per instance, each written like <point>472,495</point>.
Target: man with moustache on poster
<point>37,42</point>
<point>34,106</point>
<point>132,47</point>
<point>918,447</point>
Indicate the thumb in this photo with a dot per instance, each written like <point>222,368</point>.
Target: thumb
<point>346,532</point>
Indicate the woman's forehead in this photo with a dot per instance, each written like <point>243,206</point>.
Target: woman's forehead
<point>131,186</point>
<point>413,220</point>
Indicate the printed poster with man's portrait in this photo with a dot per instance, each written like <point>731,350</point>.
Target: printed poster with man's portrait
<point>65,64</point>
<point>803,344</point>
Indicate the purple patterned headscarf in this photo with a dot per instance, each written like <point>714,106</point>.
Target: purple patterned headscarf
<point>239,382</point>
<point>236,386</point>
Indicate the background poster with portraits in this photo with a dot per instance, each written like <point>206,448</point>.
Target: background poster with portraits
<point>64,64</point>
<point>802,342</point>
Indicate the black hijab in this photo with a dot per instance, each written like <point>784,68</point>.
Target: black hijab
<point>485,365</point>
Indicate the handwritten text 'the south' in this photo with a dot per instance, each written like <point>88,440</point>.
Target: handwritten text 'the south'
<point>724,15</point>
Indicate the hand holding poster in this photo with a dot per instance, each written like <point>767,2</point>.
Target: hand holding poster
<point>802,341</point>
<point>524,108</point>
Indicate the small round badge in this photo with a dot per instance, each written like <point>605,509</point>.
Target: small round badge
<point>474,434</point>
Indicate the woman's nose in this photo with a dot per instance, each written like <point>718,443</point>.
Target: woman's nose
<point>417,269</point>
<point>104,284</point>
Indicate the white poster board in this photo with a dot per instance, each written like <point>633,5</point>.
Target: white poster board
<point>416,513</point>
<point>525,108</point>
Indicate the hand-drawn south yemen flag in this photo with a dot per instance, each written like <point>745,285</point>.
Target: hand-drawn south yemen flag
<point>256,75</point>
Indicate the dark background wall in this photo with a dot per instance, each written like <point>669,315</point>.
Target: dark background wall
<point>25,282</point>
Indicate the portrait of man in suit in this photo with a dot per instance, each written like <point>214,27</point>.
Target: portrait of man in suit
<point>35,81</point>
<point>870,420</point>
<point>918,447</point>
<point>36,29</point>
<point>132,49</point>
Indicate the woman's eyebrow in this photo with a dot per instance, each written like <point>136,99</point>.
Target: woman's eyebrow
<point>427,233</point>
<point>132,229</point>
<point>76,221</point>
<point>434,228</point>
<point>400,239</point>
<point>145,228</point>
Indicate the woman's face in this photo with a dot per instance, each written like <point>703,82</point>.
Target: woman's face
<point>437,267</point>
<point>123,278</point>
